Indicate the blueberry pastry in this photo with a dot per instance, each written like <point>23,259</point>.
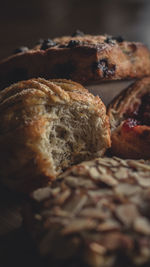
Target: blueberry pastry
<point>82,58</point>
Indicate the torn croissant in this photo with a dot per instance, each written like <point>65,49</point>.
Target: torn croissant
<point>129,115</point>
<point>46,126</point>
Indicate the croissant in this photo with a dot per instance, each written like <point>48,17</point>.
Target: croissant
<point>129,115</point>
<point>46,126</point>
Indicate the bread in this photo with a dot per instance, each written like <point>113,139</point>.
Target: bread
<point>129,115</point>
<point>95,213</point>
<point>45,127</point>
<point>82,58</point>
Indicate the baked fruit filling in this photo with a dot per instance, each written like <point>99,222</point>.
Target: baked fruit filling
<point>129,115</point>
<point>140,115</point>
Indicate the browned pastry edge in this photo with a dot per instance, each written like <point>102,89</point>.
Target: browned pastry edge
<point>46,126</point>
<point>83,59</point>
<point>130,139</point>
<point>96,212</point>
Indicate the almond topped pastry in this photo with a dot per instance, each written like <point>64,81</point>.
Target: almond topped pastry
<point>46,126</point>
<point>129,115</point>
<point>96,213</point>
<point>81,57</point>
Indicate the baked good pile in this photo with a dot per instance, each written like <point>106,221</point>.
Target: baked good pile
<point>83,167</point>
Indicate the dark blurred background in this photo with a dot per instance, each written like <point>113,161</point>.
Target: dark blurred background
<point>23,22</point>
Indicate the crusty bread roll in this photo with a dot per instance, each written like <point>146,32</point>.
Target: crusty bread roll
<point>45,127</point>
<point>96,213</point>
<point>129,115</point>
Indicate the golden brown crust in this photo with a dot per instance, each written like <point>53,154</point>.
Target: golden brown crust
<point>85,59</point>
<point>44,120</point>
<point>130,134</point>
<point>97,213</point>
